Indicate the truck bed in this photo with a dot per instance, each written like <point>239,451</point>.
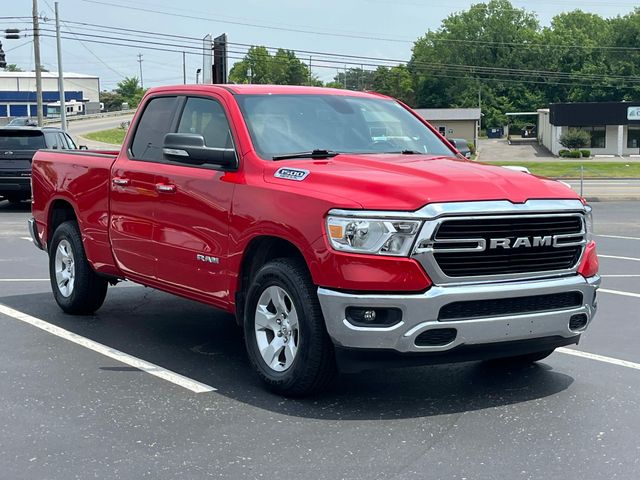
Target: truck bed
<point>79,178</point>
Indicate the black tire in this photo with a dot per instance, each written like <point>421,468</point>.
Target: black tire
<point>314,365</point>
<point>88,290</point>
<point>523,360</point>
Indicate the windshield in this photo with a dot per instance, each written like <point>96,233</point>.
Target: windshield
<point>21,140</point>
<point>286,124</point>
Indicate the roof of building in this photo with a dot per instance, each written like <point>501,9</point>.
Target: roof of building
<point>441,114</point>
<point>44,75</point>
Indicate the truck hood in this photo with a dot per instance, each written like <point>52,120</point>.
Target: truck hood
<point>408,182</point>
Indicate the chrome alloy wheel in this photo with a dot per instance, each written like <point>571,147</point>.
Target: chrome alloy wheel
<point>276,328</point>
<point>65,268</point>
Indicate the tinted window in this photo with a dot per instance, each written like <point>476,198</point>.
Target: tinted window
<point>284,124</point>
<point>206,117</point>
<point>21,140</point>
<point>154,124</point>
<point>52,140</point>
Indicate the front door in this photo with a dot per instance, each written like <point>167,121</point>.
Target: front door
<point>193,208</point>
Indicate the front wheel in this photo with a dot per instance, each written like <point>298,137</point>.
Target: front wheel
<point>285,334</point>
<point>76,287</point>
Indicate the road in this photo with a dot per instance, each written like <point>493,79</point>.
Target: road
<point>608,189</point>
<point>77,128</point>
<point>69,412</point>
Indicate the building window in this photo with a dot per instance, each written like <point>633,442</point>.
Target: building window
<point>598,136</point>
<point>442,129</point>
<point>633,136</point>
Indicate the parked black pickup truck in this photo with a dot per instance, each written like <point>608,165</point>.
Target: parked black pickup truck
<point>18,145</point>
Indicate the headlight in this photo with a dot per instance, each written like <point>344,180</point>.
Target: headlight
<point>370,235</point>
<point>588,223</point>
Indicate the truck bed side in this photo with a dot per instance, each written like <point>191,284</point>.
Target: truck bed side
<point>77,181</point>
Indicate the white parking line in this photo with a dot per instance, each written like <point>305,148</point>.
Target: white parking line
<point>619,258</point>
<point>619,276</point>
<point>599,358</point>
<point>24,279</point>
<point>619,236</point>
<point>619,292</point>
<point>122,357</point>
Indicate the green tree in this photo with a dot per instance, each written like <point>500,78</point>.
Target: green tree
<point>130,91</point>
<point>396,82</point>
<point>112,101</point>
<point>492,35</point>
<point>575,139</point>
<point>355,79</point>
<point>12,67</point>
<point>283,68</point>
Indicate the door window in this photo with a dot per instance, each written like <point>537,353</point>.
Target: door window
<point>154,124</point>
<point>52,140</point>
<point>206,117</point>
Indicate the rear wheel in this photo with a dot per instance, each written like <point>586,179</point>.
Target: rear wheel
<point>285,334</point>
<point>76,287</point>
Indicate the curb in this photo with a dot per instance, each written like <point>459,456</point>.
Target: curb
<point>612,198</point>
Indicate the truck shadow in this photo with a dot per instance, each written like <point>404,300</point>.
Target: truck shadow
<point>206,345</point>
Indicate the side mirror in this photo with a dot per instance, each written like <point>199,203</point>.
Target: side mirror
<point>189,148</point>
<point>83,147</point>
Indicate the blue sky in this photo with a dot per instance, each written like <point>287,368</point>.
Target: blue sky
<point>391,27</point>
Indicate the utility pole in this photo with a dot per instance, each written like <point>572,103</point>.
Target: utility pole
<point>310,74</point>
<point>184,68</point>
<point>63,104</point>
<point>140,62</point>
<point>36,54</point>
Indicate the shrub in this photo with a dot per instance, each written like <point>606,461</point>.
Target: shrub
<point>472,148</point>
<point>574,154</point>
<point>575,139</point>
<point>585,153</point>
<point>564,153</point>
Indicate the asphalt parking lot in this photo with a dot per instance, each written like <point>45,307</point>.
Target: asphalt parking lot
<point>68,411</point>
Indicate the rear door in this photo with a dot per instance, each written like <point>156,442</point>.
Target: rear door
<point>192,211</point>
<point>134,198</point>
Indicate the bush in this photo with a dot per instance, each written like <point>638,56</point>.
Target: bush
<point>574,154</point>
<point>575,139</point>
<point>585,153</point>
<point>472,148</point>
<point>564,153</point>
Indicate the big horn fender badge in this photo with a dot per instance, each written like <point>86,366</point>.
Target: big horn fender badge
<point>296,174</point>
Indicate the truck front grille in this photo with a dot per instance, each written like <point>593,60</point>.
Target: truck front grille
<point>466,248</point>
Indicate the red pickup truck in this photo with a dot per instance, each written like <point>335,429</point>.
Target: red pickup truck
<point>339,227</point>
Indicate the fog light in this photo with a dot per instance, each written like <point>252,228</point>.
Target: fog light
<point>373,317</point>
<point>578,321</point>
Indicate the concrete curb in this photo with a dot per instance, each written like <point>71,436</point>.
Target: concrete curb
<point>612,198</point>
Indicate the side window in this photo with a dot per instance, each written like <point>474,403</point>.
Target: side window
<point>52,140</point>
<point>154,124</point>
<point>206,117</point>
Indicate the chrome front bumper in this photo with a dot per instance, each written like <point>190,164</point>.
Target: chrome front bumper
<point>420,313</point>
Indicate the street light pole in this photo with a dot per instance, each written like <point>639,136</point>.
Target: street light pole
<point>140,62</point>
<point>36,54</point>
<point>63,104</point>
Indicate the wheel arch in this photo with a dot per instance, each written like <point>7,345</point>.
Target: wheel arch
<point>259,251</point>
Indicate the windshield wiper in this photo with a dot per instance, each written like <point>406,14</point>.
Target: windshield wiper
<point>318,153</point>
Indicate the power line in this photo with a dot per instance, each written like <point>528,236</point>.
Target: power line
<point>369,61</point>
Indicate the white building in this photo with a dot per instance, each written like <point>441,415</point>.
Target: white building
<point>18,91</point>
<point>613,127</point>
